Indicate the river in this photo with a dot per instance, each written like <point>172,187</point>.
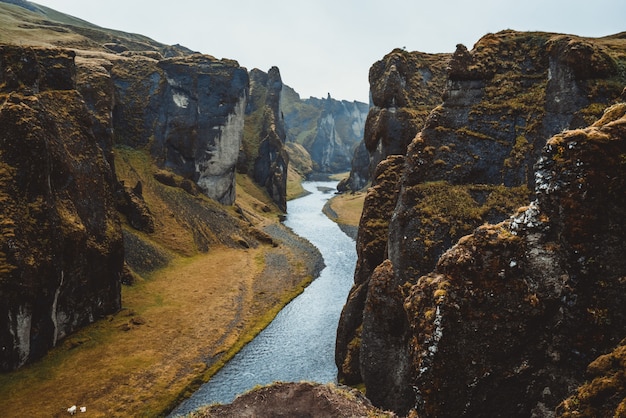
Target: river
<point>300,343</point>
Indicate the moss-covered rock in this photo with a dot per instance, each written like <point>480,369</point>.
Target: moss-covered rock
<point>61,243</point>
<point>509,319</point>
<point>474,159</point>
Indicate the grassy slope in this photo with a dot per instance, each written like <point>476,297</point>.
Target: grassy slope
<point>178,324</point>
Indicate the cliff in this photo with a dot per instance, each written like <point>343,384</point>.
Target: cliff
<point>471,163</point>
<point>61,247</point>
<point>117,155</point>
<point>189,111</point>
<point>524,305</point>
<point>328,129</point>
<point>264,156</point>
<point>404,87</point>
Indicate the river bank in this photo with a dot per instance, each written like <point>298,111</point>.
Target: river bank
<point>345,210</point>
<point>299,344</point>
<point>180,323</point>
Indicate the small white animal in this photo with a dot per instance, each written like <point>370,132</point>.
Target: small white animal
<point>83,409</point>
<point>72,409</point>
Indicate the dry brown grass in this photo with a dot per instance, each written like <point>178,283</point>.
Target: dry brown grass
<point>347,207</point>
<point>138,362</point>
<point>178,325</point>
<point>294,184</point>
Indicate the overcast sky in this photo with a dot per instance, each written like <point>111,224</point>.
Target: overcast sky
<point>327,46</point>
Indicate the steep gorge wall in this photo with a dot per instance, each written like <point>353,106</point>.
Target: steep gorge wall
<point>526,304</point>
<point>473,162</point>
<point>263,155</point>
<point>404,87</point>
<point>189,111</point>
<point>61,248</point>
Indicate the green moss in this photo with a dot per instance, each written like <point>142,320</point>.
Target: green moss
<point>447,211</point>
<point>465,131</point>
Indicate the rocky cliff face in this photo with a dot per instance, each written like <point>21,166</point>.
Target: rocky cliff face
<point>263,155</point>
<point>471,163</point>
<point>524,305</point>
<point>404,87</point>
<point>61,251</point>
<point>190,112</point>
<point>329,129</point>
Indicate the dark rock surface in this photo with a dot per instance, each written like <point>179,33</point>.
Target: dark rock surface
<point>189,111</point>
<point>526,304</point>
<point>297,400</point>
<point>61,248</point>
<point>404,87</point>
<point>473,162</point>
<point>264,156</point>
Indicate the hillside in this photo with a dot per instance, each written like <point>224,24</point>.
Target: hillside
<point>124,221</point>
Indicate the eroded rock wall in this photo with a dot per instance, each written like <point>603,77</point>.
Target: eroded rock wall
<point>189,110</point>
<point>61,250</point>
<point>329,129</point>
<point>471,163</point>
<point>526,304</point>
<point>263,154</point>
<point>404,87</point>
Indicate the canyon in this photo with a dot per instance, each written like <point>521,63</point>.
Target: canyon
<point>490,273</point>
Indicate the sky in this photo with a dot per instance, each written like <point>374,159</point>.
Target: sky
<point>328,46</point>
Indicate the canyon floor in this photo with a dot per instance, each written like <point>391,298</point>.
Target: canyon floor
<point>139,361</point>
<point>177,327</point>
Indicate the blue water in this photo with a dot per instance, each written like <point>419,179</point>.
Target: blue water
<point>299,344</point>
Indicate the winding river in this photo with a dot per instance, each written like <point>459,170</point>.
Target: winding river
<point>299,344</point>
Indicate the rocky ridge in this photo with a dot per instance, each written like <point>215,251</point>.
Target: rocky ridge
<point>472,162</point>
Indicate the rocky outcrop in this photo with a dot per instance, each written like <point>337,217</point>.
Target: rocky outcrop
<point>263,155</point>
<point>371,245</point>
<point>339,129</point>
<point>471,163</point>
<point>404,87</point>
<point>329,129</point>
<point>524,305</point>
<point>297,399</point>
<point>61,251</point>
<point>189,111</point>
